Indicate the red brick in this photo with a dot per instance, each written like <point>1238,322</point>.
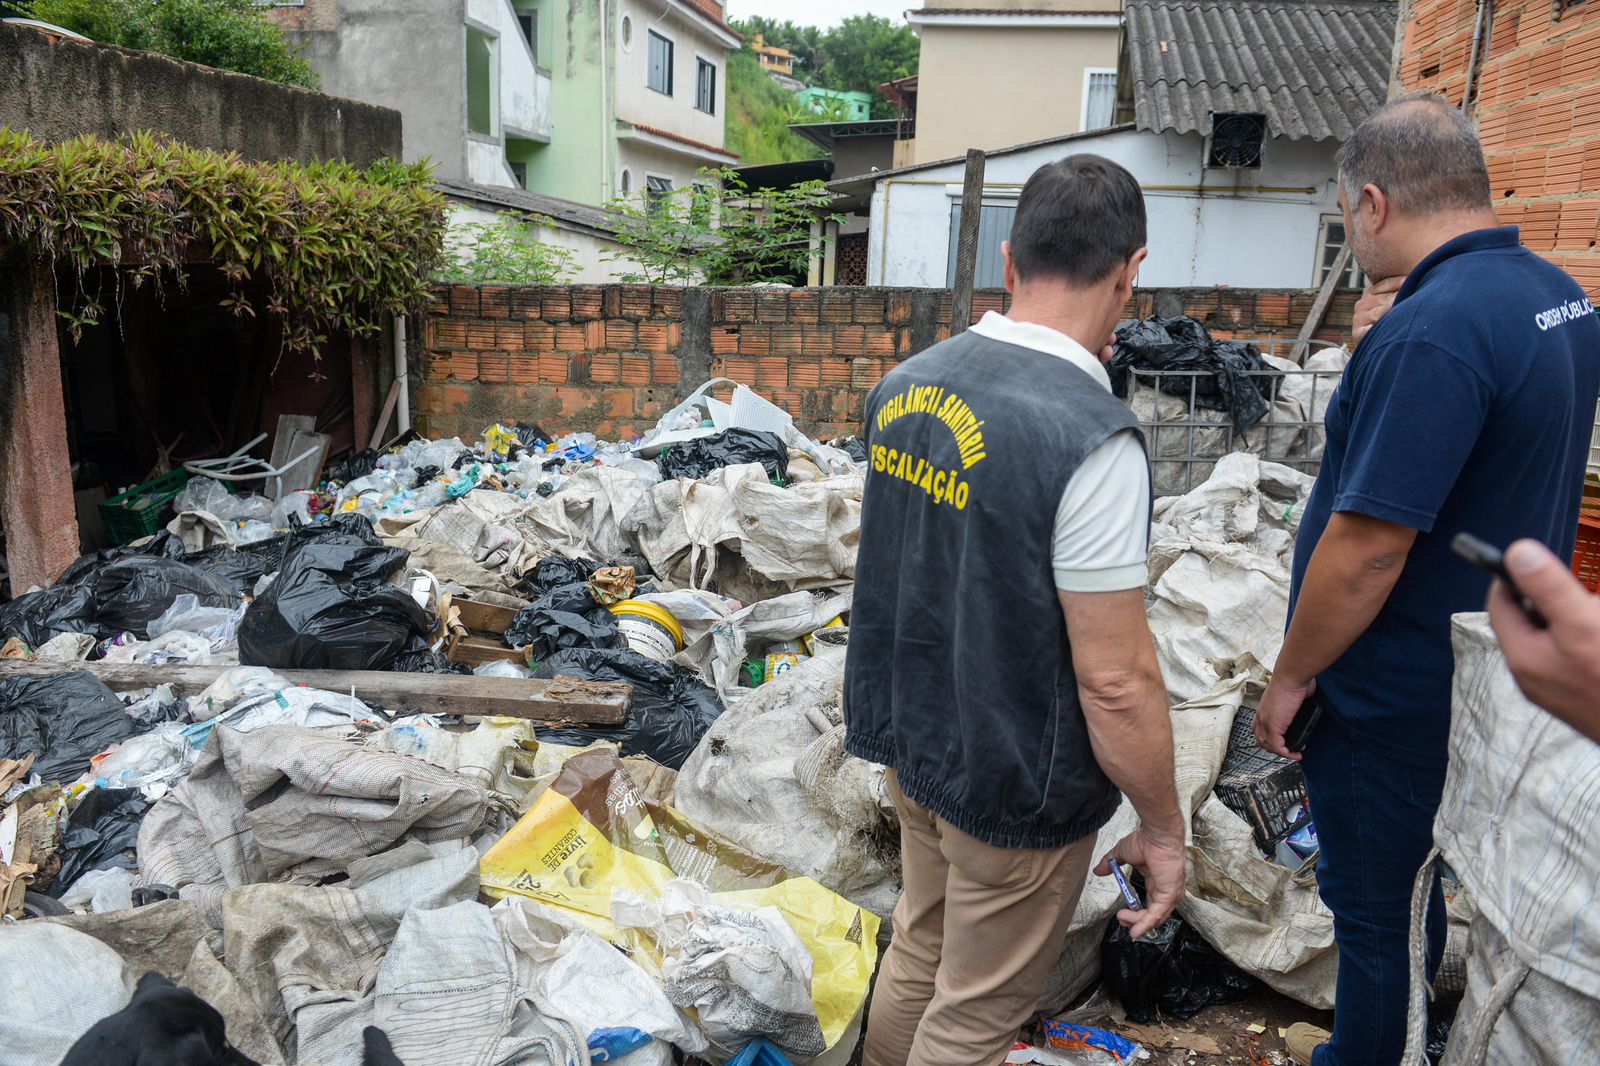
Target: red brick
<point>849,340</point>
<point>556,304</point>
<point>496,300</point>
<point>610,301</point>
<point>606,367</point>
<point>538,337</point>
<point>637,301</point>
<point>652,337</point>
<point>674,336</point>
<point>1544,69</point>
<point>772,372</point>
<point>1272,310</point>
<point>1564,171</point>
<point>791,400</point>
<point>1586,115</point>
<point>447,333</point>
<point>741,370</point>
<point>441,367</point>
<point>865,373</point>
<point>1500,171</point>
<point>836,371</point>
<point>1527,171</point>
<point>579,369</point>
<point>621,336</point>
<point>738,306</point>
<point>837,306</point>
<point>587,302</point>
<point>508,336</point>
<point>787,340</point>
<point>902,342</point>
<point>816,340</point>
<point>1580,58</point>
<point>805,373</point>
<point>464,301</point>
<point>1580,223</point>
<point>667,302</point>
<point>636,370</point>
<point>494,367</point>
<point>525,369</point>
<point>1591,171</point>
<point>804,306</point>
<point>594,335</point>
<point>724,341</point>
<point>772,307</point>
<point>571,339</point>
<point>899,312</point>
<point>527,301</point>
<point>755,340</point>
<point>1554,124</point>
<point>553,368</point>
<point>879,342</point>
<point>480,336</point>
<point>870,308</point>
<point>664,370</point>
<point>1539,222</point>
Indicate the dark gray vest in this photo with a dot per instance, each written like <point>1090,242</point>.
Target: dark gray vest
<point>960,674</point>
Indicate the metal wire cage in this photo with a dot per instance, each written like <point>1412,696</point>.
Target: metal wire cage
<point>1186,438</point>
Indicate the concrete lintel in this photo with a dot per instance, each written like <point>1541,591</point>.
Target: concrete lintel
<point>36,502</point>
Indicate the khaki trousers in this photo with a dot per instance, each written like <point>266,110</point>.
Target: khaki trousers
<point>975,936</point>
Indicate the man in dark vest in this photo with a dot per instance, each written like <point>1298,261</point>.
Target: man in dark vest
<point>1000,662</point>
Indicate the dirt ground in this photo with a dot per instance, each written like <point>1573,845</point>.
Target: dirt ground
<point>1219,1035</point>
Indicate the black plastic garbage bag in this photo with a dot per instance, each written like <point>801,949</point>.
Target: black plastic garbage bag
<point>38,616</point>
<point>63,719</point>
<point>329,608</point>
<point>556,571</point>
<point>162,544</point>
<point>672,708</point>
<point>563,618</point>
<point>419,658</point>
<point>133,592</point>
<point>1172,971</point>
<point>1182,344</point>
<point>353,466</point>
<point>102,832</point>
<point>243,567</point>
<point>699,457</point>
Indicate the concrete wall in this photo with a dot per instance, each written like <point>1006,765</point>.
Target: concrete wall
<point>993,87</point>
<point>58,90</point>
<point>613,359</point>
<point>587,246</point>
<point>579,164</point>
<point>525,89</point>
<point>637,102</point>
<point>1225,234</point>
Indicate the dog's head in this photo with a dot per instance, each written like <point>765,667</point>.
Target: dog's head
<point>163,1025</point>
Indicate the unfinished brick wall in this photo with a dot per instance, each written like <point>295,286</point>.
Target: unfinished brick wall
<point>613,359</point>
<point>1538,110</point>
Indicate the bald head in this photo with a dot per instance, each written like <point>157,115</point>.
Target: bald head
<point>1422,153</point>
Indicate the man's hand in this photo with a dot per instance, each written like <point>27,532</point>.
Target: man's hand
<point>1558,668</point>
<point>1373,305</point>
<point>1279,704</point>
<point>1161,859</point>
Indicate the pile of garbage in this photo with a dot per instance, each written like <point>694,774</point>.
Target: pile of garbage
<point>709,879</point>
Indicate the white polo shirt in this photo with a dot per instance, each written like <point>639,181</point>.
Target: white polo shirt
<point>1102,537</point>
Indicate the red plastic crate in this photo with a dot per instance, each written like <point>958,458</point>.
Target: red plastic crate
<point>1586,558</point>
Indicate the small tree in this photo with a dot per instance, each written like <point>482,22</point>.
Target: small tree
<point>507,252</point>
<point>720,232</point>
<point>232,35</point>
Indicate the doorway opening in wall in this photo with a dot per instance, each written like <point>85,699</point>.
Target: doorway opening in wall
<point>483,83</point>
<point>994,229</point>
<point>1329,246</point>
<point>657,190</point>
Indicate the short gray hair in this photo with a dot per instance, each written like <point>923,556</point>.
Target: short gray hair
<point>1423,153</point>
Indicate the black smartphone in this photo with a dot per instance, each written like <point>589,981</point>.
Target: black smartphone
<point>1487,557</point>
<point>1129,896</point>
<point>1298,734</point>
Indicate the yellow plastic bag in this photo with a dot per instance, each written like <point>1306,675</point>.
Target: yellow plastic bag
<point>593,833</point>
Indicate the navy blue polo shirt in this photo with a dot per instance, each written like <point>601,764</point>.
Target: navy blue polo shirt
<point>1469,407</point>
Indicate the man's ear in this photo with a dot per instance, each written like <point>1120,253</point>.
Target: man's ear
<point>1010,267</point>
<point>1130,273</point>
<point>1376,207</point>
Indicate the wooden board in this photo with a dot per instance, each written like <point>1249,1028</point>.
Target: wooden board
<point>568,701</point>
<point>485,640</point>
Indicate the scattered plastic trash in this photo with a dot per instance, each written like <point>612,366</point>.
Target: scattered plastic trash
<point>102,832</point>
<point>694,459</point>
<point>101,891</point>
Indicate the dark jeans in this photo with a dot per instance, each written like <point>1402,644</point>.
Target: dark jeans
<point>1374,814</point>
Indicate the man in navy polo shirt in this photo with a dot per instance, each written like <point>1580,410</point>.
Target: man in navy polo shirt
<point>1468,407</point>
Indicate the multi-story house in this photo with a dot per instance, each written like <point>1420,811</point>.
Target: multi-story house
<point>995,73</point>
<point>581,100</point>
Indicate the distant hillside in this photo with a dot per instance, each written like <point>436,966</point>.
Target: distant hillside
<point>759,113</point>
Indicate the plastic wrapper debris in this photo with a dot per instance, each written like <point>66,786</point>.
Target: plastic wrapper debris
<point>64,720</point>
<point>101,891</point>
<point>742,970</point>
<point>102,832</point>
<point>672,709</point>
<point>562,619</point>
<point>592,837</point>
<point>772,776</point>
<point>161,705</point>
<point>232,687</point>
<point>131,593</point>
<point>1171,971</point>
<point>1087,1045</point>
<point>696,458</point>
<point>330,608</point>
<point>209,495</point>
<point>55,983</point>
<point>503,668</point>
<point>187,614</point>
<point>151,762</point>
<point>1182,344</point>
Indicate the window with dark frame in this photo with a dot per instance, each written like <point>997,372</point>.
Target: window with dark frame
<point>529,21</point>
<point>657,191</point>
<point>1328,250</point>
<point>660,60</point>
<point>519,171</point>
<point>705,87</point>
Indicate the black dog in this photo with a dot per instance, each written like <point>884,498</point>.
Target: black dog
<point>164,1025</point>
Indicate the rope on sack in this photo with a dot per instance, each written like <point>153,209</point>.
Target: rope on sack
<point>1480,1030</point>
<point>1421,990</point>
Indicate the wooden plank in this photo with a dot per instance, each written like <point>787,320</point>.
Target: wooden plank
<point>967,241</point>
<point>288,425</point>
<point>569,701</point>
<point>1320,308</point>
<point>483,617</point>
<point>383,419</point>
<point>476,651</point>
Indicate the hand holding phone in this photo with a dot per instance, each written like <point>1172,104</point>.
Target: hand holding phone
<point>1487,557</point>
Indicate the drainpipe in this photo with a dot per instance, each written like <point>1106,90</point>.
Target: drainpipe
<point>1481,29</point>
<point>402,376</point>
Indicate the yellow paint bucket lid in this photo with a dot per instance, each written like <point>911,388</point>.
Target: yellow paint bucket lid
<point>654,613</point>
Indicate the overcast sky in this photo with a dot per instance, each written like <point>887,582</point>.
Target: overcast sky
<point>819,12</point>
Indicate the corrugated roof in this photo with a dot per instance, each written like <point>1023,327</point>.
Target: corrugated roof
<point>1315,68</point>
